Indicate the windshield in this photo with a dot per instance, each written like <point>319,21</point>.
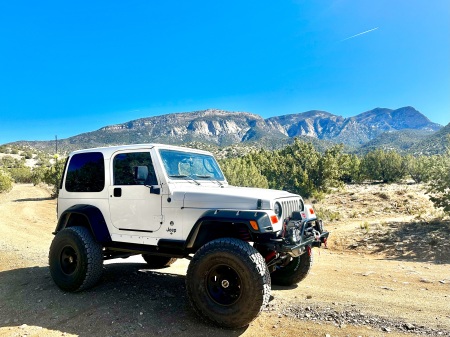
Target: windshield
<point>189,165</point>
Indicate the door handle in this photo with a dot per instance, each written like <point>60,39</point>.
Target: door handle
<point>117,192</point>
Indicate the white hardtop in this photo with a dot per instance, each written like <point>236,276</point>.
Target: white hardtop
<point>110,150</point>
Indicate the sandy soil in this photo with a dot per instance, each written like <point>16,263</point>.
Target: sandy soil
<point>361,286</point>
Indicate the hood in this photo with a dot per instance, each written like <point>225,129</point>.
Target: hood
<point>227,197</point>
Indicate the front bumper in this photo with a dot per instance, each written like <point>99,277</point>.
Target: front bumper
<point>299,248</point>
<point>299,236</point>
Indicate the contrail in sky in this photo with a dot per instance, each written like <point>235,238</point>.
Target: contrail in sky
<point>367,31</point>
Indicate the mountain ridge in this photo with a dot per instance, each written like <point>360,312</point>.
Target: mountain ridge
<point>224,128</point>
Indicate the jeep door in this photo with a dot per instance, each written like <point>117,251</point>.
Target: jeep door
<point>132,206</point>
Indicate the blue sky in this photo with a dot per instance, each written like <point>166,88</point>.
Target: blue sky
<point>68,67</point>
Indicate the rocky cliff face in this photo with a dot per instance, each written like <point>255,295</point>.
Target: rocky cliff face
<point>216,126</point>
<point>355,130</point>
<point>224,128</point>
<point>317,124</point>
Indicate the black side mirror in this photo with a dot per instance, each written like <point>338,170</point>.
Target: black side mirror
<point>155,189</point>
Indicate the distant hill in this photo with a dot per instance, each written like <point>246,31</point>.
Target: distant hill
<point>224,128</point>
<point>435,143</point>
<point>403,141</point>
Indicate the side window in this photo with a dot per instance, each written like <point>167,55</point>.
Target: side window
<point>86,173</point>
<point>60,186</point>
<point>134,168</point>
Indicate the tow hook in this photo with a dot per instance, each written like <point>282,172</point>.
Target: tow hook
<point>316,235</point>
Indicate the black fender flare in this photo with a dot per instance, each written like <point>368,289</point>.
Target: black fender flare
<point>212,217</point>
<point>93,218</point>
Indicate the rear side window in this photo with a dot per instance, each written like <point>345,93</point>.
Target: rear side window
<point>86,173</point>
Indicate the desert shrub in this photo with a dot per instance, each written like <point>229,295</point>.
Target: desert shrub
<point>418,167</point>
<point>349,167</point>
<point>387,166</point>
<point>21,174</point>
<point>28,155</point>
<point>327,214</point>
<point>8,162</point>
<point>365,226</point>
<point>37,175</point>
<point>243,172</point>
<point>6,181</point>
<point>297,168</point>
<point>52,176</point>
<point>439,185</point>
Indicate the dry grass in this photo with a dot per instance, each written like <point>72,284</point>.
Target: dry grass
<point>396,220</point>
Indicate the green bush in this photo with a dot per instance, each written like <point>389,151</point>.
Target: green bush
<point>11,162</point>
<point>387,166</point>
<point>6,182</point>
<point>439,185</point>
<point>243,172</point>
<point>52,176</point>
<point>37,175</point>
<point>298,168</point>
<point>28,155</point>
<point>419,168</point>
<point>21,175</point>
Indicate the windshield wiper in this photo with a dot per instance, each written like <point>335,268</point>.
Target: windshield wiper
<point>184,176</point>
<point>209,177</point>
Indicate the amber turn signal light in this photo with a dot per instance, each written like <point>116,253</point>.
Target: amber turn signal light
<point>254,225</point>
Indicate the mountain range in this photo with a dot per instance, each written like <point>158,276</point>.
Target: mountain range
<point>224,128</point>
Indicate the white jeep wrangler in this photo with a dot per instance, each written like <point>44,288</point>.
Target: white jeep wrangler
<point>168,202</point>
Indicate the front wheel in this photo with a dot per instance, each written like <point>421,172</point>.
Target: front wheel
<point>294,271</point>
<point>75,259</point>
<point>228,282</point>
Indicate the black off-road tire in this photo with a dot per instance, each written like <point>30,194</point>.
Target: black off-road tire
<point>158,262</point>
<point>228,283</point>
<point>294,272</point>
<point>75,259</point>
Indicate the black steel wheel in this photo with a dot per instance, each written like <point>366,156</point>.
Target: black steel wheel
<point>228,282</point>
<point>223,285</point>
<point>68,260</point>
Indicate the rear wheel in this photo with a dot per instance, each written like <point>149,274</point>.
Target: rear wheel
<point>75,259</point>
<point>228,282</point>
<point>294,271</point>
<point>158,262</point>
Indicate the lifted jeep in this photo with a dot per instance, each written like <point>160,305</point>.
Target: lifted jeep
<point>168,202</point>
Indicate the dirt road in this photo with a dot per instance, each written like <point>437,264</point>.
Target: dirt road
<point>346,294</point>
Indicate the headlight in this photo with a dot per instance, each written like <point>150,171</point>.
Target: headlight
<point>278,210</point>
